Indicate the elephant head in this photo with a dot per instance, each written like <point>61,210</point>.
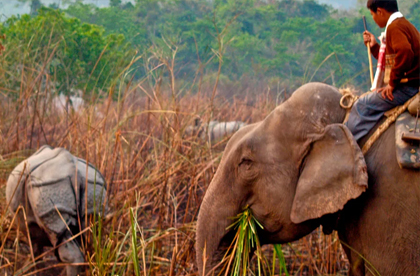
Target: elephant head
<point>292,169</point>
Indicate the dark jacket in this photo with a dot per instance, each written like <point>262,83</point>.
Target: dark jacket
<point>402,53</point>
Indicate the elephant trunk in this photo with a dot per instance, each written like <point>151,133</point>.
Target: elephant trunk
<point>213,239</point>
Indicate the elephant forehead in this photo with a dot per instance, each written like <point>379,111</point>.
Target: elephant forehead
<point>316,99</point>
<point>316,91</point>
<point>256,146</point>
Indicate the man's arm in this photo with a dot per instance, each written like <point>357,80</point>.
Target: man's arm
<point>404,54</point>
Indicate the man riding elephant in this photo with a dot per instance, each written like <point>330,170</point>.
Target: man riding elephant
<point>300,168</point>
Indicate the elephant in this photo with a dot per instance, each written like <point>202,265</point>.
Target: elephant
<point>300,168</point>
<point>57,190</point>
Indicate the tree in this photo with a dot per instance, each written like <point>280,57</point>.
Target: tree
<point>80,55</point>
<point>414,15</point>
<point>34,4</point>
<point>54,6</point>
<point>289,39</point>
<point>115,3</point>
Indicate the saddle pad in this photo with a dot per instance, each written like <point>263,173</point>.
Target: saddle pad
<point>408,153</point>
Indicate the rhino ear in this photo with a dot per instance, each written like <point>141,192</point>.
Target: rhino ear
<point>334,172</point>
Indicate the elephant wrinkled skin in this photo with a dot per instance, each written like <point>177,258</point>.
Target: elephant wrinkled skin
<point>300,168</point>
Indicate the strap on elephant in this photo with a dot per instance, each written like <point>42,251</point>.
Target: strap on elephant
<point>347,101</point>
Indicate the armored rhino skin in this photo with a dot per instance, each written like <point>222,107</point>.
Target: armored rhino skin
<point>214,130</point>
<point>51,186</point>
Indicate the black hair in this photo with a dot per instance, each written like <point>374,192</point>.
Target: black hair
<point>388,5</point>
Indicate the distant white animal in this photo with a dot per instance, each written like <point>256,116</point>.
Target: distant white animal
<point>51,186</point>
<point>215,130</point>
<point>75,102</point>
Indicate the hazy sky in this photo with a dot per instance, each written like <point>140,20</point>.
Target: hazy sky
<point>343,4</point>
<point>9,7</point>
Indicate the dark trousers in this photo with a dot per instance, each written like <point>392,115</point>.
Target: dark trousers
<point>367,110</point>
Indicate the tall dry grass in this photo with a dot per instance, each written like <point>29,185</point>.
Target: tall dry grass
<point>156,175</point>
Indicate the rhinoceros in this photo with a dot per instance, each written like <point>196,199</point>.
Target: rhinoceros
<point>52,185</point>
<point>214,130</point>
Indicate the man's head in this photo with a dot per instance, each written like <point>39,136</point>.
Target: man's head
<point>381,10</point>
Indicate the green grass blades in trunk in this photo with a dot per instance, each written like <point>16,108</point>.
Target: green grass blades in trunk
<point>236,260</point>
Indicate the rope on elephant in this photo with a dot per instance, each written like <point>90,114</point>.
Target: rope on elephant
<point>349,98</point>
<point>384,126</point>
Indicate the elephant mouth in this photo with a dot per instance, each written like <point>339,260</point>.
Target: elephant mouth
<point>222,256</point>
<point>273,228</point>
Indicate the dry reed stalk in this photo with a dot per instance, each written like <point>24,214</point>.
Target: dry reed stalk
<point>147,153</point>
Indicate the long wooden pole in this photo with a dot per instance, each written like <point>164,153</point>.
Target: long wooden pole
<point>369,54</point>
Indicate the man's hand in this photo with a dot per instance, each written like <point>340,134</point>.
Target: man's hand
<point>386,92</point>
<point>368,37</point>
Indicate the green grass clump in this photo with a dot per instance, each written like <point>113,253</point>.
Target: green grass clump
<point>245,241</point>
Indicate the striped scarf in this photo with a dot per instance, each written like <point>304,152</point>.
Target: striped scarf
<point>378,81</point>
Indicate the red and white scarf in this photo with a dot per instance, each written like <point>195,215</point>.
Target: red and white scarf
<point>378,81</point>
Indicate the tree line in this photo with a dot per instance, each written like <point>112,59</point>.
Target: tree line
<point>287,41</point>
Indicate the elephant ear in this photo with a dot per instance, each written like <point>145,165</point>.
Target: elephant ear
<point>334,172</point>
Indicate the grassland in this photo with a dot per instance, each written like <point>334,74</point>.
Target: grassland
<point>157,177</point>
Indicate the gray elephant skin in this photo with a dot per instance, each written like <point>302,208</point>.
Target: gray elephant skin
<point>52,185</point>
<point>300,168</point>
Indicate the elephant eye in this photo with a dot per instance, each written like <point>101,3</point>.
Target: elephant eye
<point>246,162</point>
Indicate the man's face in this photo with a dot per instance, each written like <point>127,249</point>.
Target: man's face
<point>379,17</point>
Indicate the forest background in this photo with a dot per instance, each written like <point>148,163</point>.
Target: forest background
<point>275,44</point>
